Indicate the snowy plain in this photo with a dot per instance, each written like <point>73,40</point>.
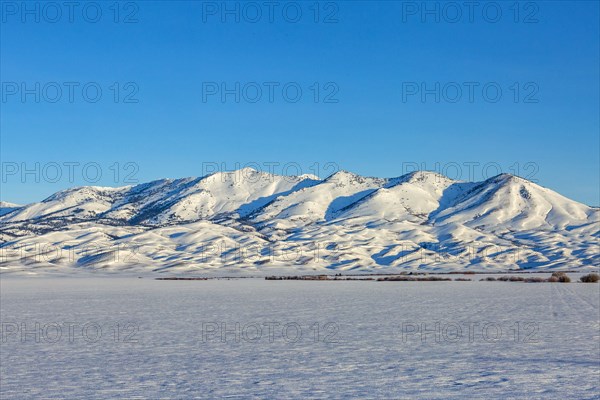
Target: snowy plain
<point>358,339</point>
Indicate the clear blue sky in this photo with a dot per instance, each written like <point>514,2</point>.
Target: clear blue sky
<point>368,57</point>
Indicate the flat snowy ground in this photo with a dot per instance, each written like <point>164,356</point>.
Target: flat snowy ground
<point>303,339</point>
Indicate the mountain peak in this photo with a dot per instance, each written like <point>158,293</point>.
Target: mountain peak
<point>6,207</point>
<point>248,172</point>
<point>424,175</point>
<point>342,173</point>
<point>309,176</point>
<point>506,178</point>
<point>6,204</point>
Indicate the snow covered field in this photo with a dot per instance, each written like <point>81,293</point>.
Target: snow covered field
<point>297,339</point>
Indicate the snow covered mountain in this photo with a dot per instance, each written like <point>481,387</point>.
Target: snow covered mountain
<point>248,222</point>
<point>6,207</point>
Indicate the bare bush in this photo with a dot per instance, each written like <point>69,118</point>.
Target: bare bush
<point>559,277</point>
<point>535,280</point>
<point>590,278</point>
<point>414,279</point>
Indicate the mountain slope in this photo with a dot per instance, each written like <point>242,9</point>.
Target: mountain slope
<point>511,203</point>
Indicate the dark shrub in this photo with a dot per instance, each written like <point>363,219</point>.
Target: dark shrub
<point>590,278</point>
<point>434,279</point>
<point>414,279</point>
<point>560,277</point>
<point>535,280</point>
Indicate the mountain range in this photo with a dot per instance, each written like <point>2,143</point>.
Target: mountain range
<point>247,222</point>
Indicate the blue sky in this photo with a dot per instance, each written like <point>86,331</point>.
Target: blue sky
<point>362,69</point>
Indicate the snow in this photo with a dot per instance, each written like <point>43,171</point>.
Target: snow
<point>367,357</point>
